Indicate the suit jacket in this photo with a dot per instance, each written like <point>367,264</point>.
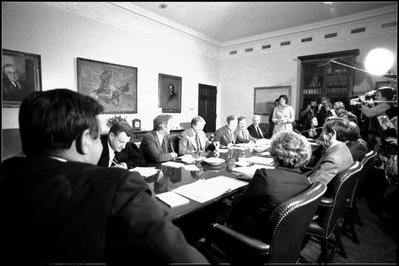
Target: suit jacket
<point>223,136</point>
<point>241,138</point>
<point>131,155</point>
<point>251,210</point>
<point>187,142</point>
<point>54,211</point>
<point>254,133</point>
<point>14,93</point>
<point>335,160</point>
<point>357,149</point>
<point>152,150</point>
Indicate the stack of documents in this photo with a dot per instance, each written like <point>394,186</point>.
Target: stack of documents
<point>172,199</point>
<point>205,190</point>
<point>249,171</point>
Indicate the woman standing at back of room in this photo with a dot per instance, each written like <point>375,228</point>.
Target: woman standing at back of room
<point>283,115</point>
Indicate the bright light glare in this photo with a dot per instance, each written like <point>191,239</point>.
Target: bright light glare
<point>379,61</point>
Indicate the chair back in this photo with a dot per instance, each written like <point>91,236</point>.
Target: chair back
<point>338,191</point>
<point>174,140</point>
<point>367,163</point>
<point>289,222</point>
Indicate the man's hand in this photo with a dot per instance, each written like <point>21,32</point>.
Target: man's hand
<point>121,165</point>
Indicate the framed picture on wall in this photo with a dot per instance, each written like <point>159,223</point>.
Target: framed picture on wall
<point>169,93</point>
<point>114,86</point>
<point>21,76</point>
<point>264,98</point>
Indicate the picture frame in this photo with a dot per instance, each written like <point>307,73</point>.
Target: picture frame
<point>264,98</point>
<point>114,86</point>
<point>169,93</point>
<point>21,76</point>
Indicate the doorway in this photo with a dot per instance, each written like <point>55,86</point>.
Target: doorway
<point>207,106</point>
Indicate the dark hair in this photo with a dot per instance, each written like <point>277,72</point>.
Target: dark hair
<point>337,124</point>
<point>121,127</point>
<point>161,120</point>
<point>285,98</point>
<point>241,118</point>
<point>352,132</point>
<point>230,118</point>
<point>387,92</point>
<point>50,121</point>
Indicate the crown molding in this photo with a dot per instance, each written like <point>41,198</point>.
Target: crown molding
<point>164,21</point>
<point>314,26</point>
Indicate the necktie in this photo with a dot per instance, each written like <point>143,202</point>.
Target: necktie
<point>114,159</point>
<point>198,142</point>
<point>259,132</point>
<point>244,135</point>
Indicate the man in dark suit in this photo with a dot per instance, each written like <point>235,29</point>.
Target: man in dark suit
<point>256,130</point>
<point>118,150</point>
<point>226,135</point>
<point>14,89</point>
<point>58,206</point>
<point>157,145</point>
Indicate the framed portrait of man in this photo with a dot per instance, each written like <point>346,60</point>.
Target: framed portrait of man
<point>21,76</point>
<point>169,92</point>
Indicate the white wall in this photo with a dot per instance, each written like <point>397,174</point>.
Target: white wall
<point>102,31</point>
<point>279,66</point>
<point>61,32</point>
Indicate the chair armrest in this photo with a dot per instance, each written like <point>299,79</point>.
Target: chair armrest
<point>327,202</point>
<point>233,242</point>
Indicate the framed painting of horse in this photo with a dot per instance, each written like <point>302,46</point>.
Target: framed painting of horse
<point>114,86</point>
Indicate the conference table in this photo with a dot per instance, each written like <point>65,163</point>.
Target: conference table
<point>196,215</point>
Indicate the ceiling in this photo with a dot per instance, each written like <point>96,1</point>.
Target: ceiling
<point>228,21</point>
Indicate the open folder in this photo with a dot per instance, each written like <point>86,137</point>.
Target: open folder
<point>172,199</point>
<point>205,190</point>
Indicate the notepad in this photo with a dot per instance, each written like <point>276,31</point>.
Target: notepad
<point>191,167</point>
<point>172,199</point>
<point>205,190</point>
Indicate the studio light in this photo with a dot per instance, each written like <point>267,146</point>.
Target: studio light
<point>378,61</point>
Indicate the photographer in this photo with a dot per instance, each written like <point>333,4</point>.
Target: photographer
<point>374,130</point>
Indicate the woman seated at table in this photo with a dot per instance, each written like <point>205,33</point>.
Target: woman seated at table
<point>242,132</point>
<point>269,187</point>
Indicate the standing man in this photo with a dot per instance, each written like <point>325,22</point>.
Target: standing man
<point>59,207</point>
<point>14,89</point>
<point>118,150</point>
<point>157,145</point>
<point>226,135</point>
<point>255,130</point>
<point>193,139</point>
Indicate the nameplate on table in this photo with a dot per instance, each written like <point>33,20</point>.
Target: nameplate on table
<point>205,190</point>
<point>173,164</point>
<point>172,199</point>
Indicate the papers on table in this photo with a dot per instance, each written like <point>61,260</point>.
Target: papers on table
<point>173,164</point>
<point>223,150</point>
<point>249,171</point>
<point>261,160</point>
<point>145,171</point>
<point>191,167</point>
<point>172,199</point>
<point>205,190</point>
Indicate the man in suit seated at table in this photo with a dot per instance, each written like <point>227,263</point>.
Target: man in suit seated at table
<point>226,135</point>
<point>59,207</point>
<point>256,130</point>
<point>193,139</point>
<point>157,145</point>
<point>336,156</point>
<point>118,150</point>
